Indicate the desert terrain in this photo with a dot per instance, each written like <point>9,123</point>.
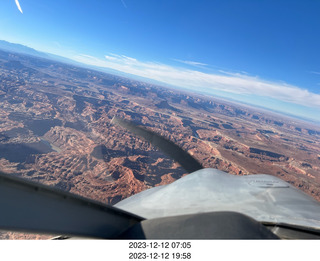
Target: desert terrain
<point>55,129</point>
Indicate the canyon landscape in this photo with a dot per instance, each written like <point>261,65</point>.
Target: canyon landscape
<point>55,128</point>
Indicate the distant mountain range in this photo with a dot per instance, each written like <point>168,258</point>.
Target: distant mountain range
<point>19,48</point>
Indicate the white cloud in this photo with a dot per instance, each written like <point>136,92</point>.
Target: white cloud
<point>191,62</point>
<point>229,82</point>
<point>124,4</point>
<point>313,72</point>
<point>18,5</point>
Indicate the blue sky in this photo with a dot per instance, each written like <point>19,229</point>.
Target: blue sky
<point>260,52</point>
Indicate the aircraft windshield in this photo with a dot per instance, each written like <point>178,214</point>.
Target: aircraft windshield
<point>176,74</point>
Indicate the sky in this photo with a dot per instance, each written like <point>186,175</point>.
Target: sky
<point>264,53</point>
